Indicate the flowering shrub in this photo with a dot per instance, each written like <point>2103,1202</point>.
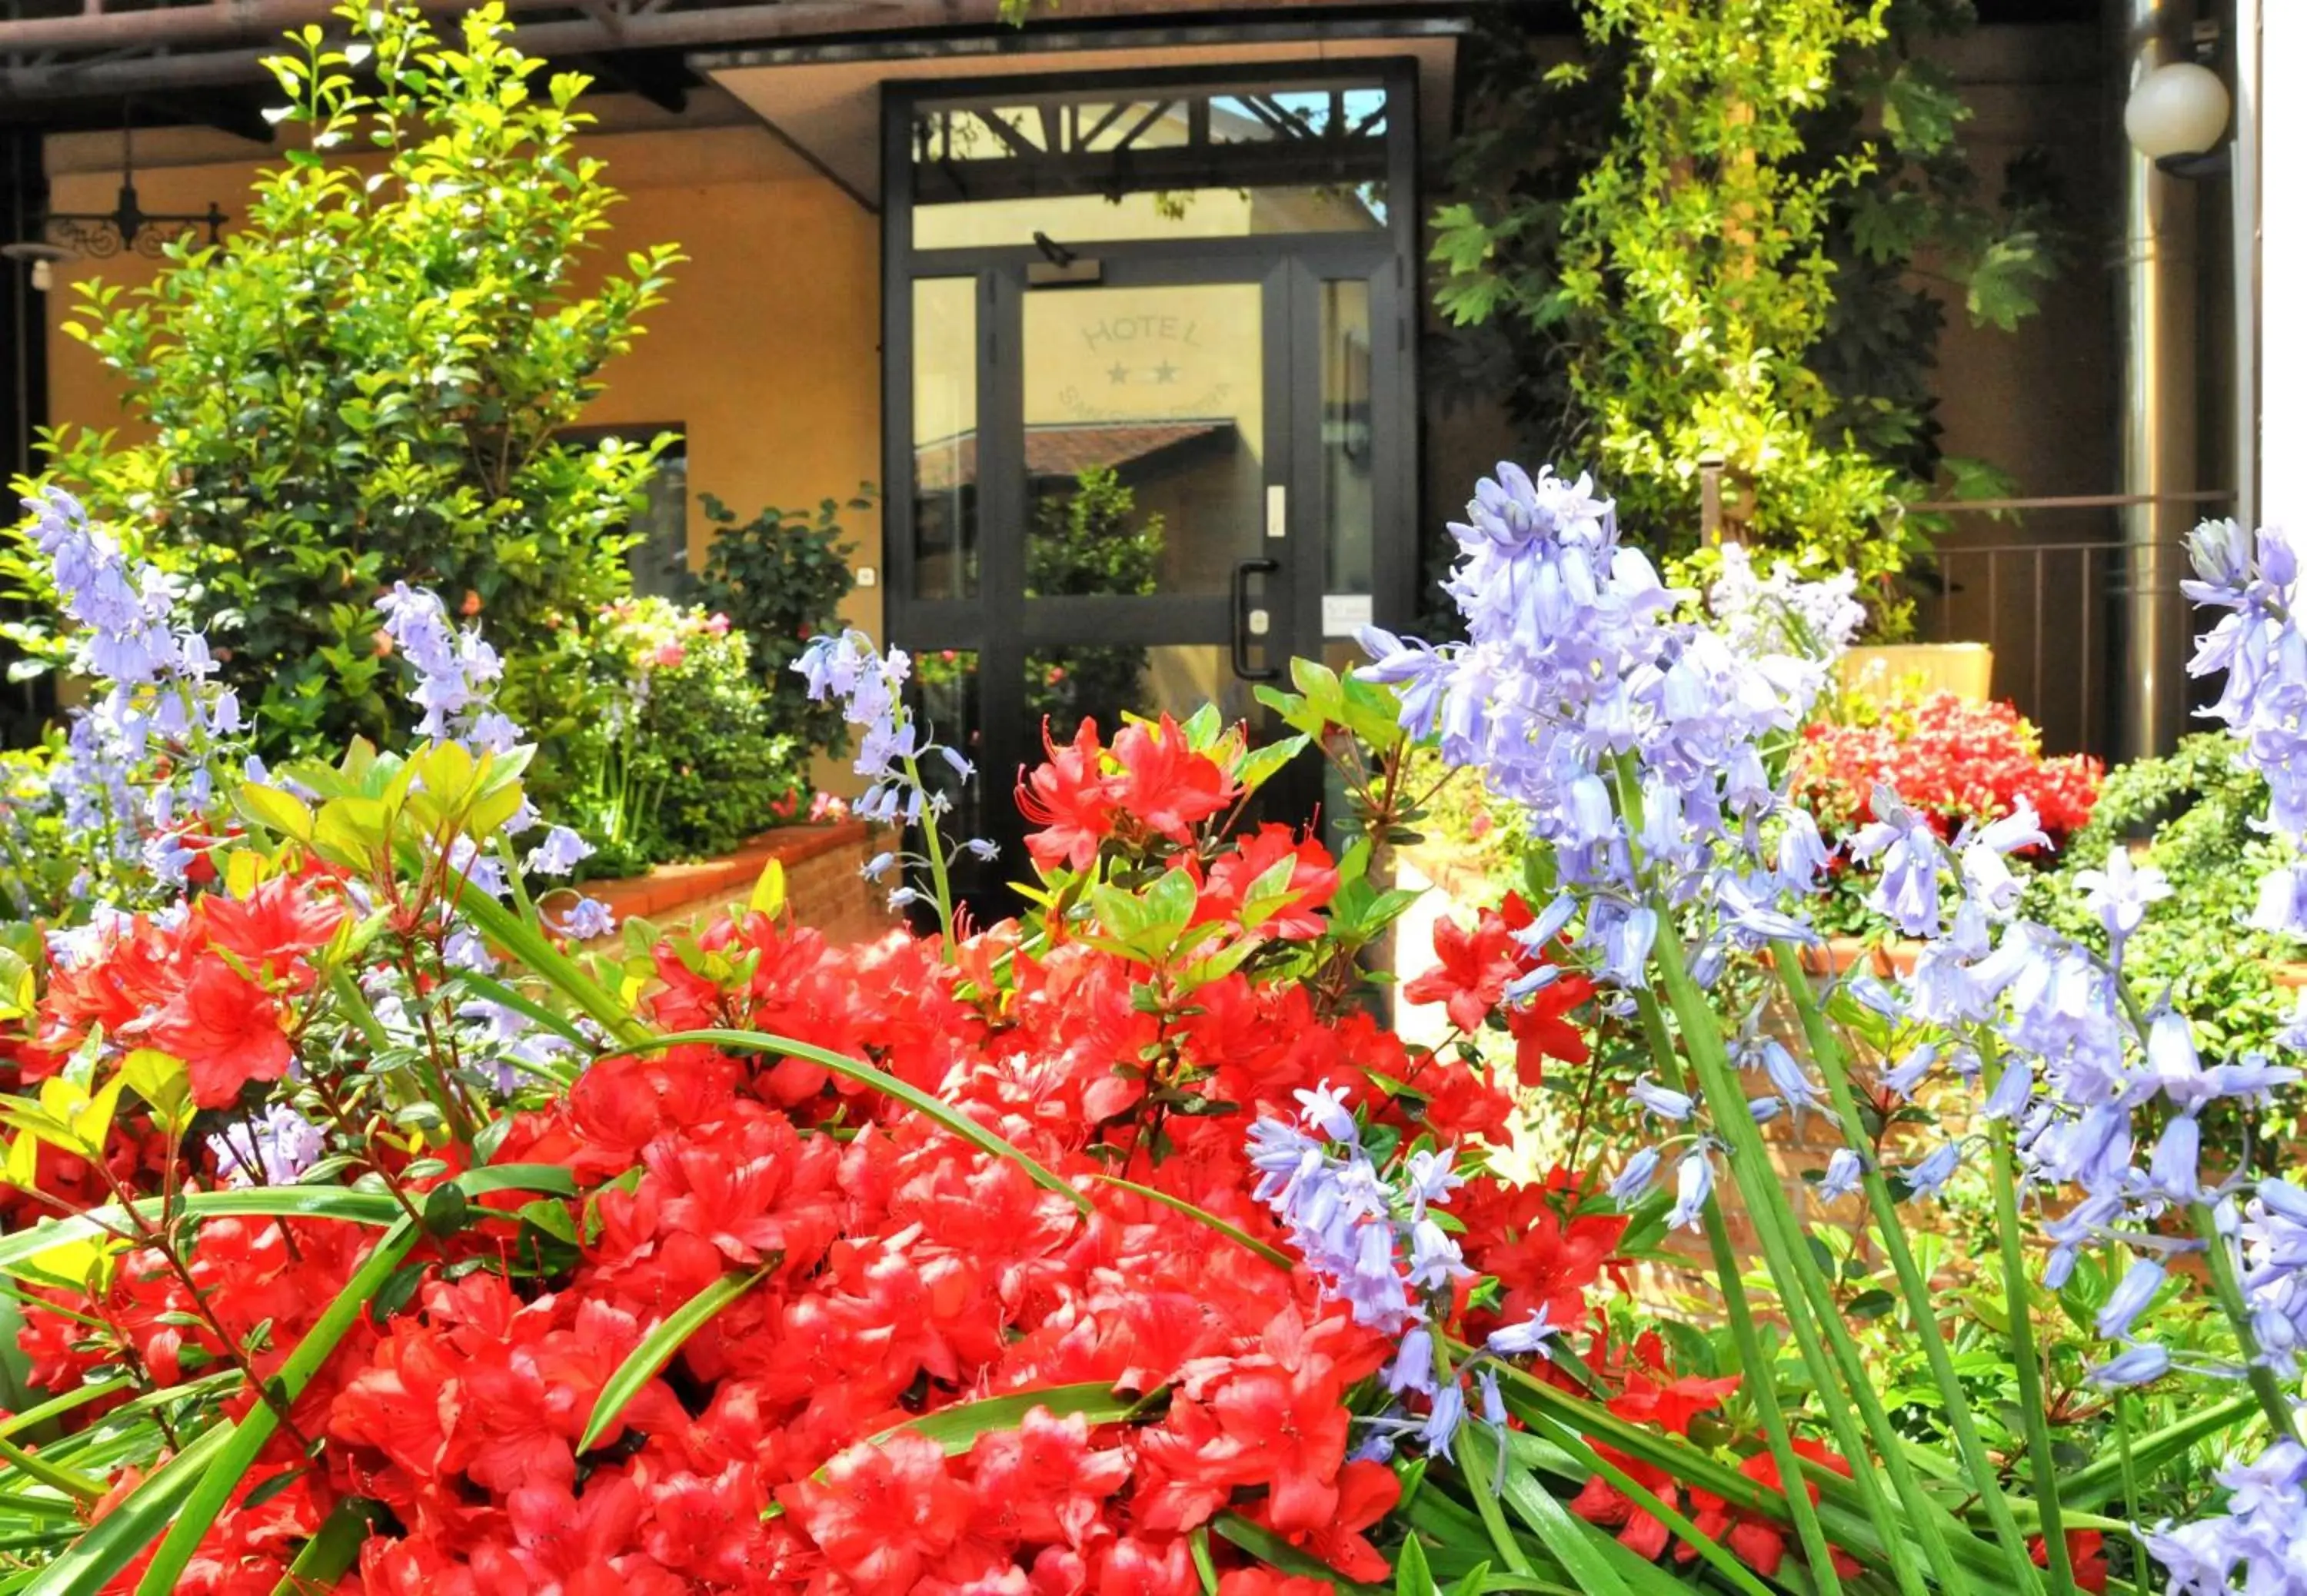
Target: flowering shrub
<point>362,1232</point>
<point>368,1236</point>
<point>1948,759</point>
<point>368,381</point>
<point>675,756</point>
<point>1953,762</point>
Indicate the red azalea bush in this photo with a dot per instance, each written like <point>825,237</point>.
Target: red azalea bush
<point>934,1362</point>
<point>1948,759</point>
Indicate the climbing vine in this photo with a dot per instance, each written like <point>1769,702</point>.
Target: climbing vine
<point>1657,231</point>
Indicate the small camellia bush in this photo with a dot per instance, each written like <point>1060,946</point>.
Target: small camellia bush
<point>675,757</point>
<point>366,1232</point>
<point>1961,765</point>
<point>1950,759</point>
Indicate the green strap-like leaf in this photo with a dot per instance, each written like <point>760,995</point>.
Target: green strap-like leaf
<point>520,1003</point>
<point>657,1348</point>
<point>1231,1232</point>
<point>277,1202</point>
<point>332,1550</point>
<point>2096,1482</point>
<point>532,949</point>
<point>957,1428</point>
<point>1561,1532</point>
<point>1264,1544</point>
<point>880,1081</point>
<point>247,1438</point>
<point>303,1202</point>
<point>1411,1577</point>
<point>88,1563</point>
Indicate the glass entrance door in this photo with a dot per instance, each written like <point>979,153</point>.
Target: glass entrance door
<point>1149,400</point>
<point>1155,552</point>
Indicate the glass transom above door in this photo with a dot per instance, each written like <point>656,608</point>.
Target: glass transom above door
<point>1176,161</point>
<point>1146,437</point>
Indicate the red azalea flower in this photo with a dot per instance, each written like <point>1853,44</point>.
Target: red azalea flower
<point>281,921</point>
<point>882,1514</point>
<point>1313,880</point>
<point>1070,798</point>
<point>1165,786</point>
<point>1474,966</point>
<point>226,1028</point>
<point>2085,1554</point>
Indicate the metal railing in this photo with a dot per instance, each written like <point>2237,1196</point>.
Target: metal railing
<point>2077,623</point>
<point>2056,616</point>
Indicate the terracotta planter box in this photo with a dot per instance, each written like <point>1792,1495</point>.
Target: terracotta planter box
<point>1966,670</point>
<point>823,886</point>
<point>1840,954</point>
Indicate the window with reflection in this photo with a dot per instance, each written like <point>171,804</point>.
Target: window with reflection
<point>944,438</point>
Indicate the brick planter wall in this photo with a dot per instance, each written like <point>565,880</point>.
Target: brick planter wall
<point>823,888</point>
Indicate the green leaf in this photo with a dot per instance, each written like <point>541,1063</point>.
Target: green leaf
<point>1410,1576</point>
<point>1234,1234</point>
<point>1270,894</point>
<point>1267,1546</point>
<point>524,941</point>
<point>957,1428</point>
<point>276,810</point>
<point>520,1003</point>
<point>2097,1482</point>
<point>331,1551</point>
<point>657,1349</point>
<point>1261,765</point>
<point>1563,1534</point>
<point>90,1562</point>
<point>306,1202</point>
<point>55,1477</point>
<point>880,1081</point>
<point>246,1439</point>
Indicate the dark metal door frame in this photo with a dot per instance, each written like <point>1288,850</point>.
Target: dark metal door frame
<point>998,623</point>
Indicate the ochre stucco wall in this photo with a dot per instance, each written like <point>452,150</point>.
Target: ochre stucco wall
<point>765,354</point>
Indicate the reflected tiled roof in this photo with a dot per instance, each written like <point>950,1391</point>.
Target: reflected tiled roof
<point>1064,451</point>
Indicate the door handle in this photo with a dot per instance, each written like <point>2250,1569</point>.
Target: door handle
<point>1249,623</point>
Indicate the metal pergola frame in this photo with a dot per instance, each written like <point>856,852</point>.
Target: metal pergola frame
<point>101,50</point>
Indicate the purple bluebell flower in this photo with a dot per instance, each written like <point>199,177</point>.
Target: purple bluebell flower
<point>1843,1173</point>
<point>1786,1073</point>
<point>2129,1299</point>
<point>1413,1368</point>
<point>454,669</point>
<point>2134,1366</point>
<point>1533,1334</point>
<point>845,668</point>
<point>1694,1184</point>
<point>1325,1110</point>
<point>1913,858</point>
<point>1436,1263</point>
<point>2119,895</point>
<point>1635,1178</point>
<point>1442,1420</point>
<point>1430,1175</point>
<point>1576,676</point>
<point>2013,1092</point>
<point>588,919</point>
<point>272,1149</point>
<point>560,853</point>
<point>1662,1101</point>
<point>1929,1178</point>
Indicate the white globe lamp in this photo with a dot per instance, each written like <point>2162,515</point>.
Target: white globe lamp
<point>2177,110</point>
